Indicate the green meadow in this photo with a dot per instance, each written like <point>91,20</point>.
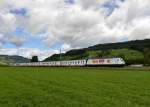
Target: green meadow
<point>74,87</point>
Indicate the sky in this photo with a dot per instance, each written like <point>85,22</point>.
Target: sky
<point>42,27</point>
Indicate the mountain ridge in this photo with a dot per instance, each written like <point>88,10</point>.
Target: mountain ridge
<point>6,59</point>
<point>119,49</point>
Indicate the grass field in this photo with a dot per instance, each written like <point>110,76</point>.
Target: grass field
<point>74,87</point>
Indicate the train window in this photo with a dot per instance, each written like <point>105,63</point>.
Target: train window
<point>101,61</point>
<point>108,61</point>
<point>95,61</point>
<point>121,60</point>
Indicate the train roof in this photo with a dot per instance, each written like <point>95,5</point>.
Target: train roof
<point>103,57</point>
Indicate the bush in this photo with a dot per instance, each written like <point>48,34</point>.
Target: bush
<point>147,56</point>
<point>130,56</point>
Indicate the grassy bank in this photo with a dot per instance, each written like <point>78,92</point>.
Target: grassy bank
<point>74,87</point>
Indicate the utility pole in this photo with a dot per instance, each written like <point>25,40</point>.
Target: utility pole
<point>60,56</point>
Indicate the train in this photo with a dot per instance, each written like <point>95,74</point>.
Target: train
<point>80,63</point>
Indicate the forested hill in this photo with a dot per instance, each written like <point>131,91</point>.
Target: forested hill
<point>131,51</point>
<point>6,59</point>
<point>136,45</point>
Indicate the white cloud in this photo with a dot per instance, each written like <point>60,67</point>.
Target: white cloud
<point>2,40</point>
<point>77,25</point>
<point>65,47</point>
<point>140,30</point>
<point>132,19</point>
<point>28,52</point>
<point>92,4</point>
<point>18,41</point>
<point>8,22</point>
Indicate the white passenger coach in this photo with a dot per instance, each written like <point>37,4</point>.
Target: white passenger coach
<point>106,62</point>
<point>84,62</point>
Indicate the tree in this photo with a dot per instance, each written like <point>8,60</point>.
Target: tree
<point>105,53</point>
<point>147,56</point>
<point>34,59</point>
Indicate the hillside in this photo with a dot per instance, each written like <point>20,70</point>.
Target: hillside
<point>131,51</point>
<point>5,59</point>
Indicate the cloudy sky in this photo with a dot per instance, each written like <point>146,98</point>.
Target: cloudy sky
<point>42,27</point>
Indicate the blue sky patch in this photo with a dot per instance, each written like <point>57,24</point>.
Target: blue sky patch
<point>20,12</point>
<point>124,39</point>
<point>110,6</point>
<point>69,1</point>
